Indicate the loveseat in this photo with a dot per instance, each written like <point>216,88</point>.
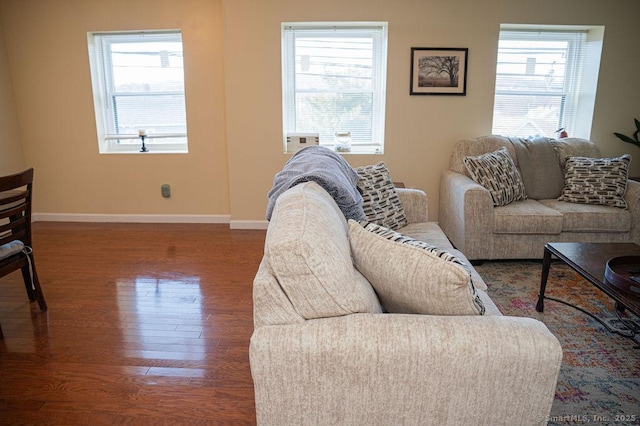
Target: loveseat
<point>328,349</point>
<point>520,229</point>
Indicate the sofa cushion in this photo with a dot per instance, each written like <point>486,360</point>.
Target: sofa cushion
<point>596,180</point>
<point>381,202</point>
<point>411,276</point>
<point>309,254</point>
<point>538,164</point>
<point>497,172</point>
<point>526,217</point>
<point>429,232</point>
<point>591,218</point>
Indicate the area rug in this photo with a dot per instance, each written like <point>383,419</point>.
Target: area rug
<point>599,380</point>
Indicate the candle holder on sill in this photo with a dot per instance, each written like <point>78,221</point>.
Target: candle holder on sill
<point>144,148</point>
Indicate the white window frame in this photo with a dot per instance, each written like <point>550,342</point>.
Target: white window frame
<point>378,32</point>
<point>578,94</point>
<point>109,140</point>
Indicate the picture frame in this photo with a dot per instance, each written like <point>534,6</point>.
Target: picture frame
<point>439,71</point>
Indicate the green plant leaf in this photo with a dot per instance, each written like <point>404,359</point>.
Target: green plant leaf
<point>625,138</point>
<point>636,135</point>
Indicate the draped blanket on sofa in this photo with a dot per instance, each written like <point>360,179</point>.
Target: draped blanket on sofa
<point>329,170</point>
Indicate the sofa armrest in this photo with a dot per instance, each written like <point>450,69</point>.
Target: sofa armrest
<point>382,369</point>
<point>632,197</point>
<point>415,204</point>
<point>466,214</point>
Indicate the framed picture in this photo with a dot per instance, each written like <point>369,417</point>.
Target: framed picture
<point>439,71</point>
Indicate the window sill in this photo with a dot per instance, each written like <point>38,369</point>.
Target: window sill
<point>355,150</point>
<point>151,151</point>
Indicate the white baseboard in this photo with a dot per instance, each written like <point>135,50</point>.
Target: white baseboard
<point>130,218</point>
<point>248,224</point>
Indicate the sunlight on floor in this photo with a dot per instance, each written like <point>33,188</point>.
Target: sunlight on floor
<point>166,310</point>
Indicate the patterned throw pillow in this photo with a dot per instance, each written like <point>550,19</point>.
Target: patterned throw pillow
<point>596,180</point>
<point>411,276</point>
<point>497,172</point>
<point>381,202</point>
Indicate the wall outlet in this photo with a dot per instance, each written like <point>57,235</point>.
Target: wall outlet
<point>166,190</point>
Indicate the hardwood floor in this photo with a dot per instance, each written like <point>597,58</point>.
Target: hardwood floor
<point>147,324</point>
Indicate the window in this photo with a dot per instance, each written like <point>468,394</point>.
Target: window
<point>138,84</point>
<point>545,82</point>
<point>334,80</point>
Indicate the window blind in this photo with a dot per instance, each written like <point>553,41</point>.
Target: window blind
<point>537,81</point>
<point>334,80</point>
<point>141,84</point>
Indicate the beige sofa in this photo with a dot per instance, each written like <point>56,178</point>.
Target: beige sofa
<point>520,230</point>
<point>324,353</point>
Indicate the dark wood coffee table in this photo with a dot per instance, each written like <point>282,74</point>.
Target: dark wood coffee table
<point>590,260</point>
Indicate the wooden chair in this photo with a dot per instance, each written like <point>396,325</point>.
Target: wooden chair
<point>15,233</point>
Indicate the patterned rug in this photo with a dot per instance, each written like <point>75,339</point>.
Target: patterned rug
<point>599,379</point>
